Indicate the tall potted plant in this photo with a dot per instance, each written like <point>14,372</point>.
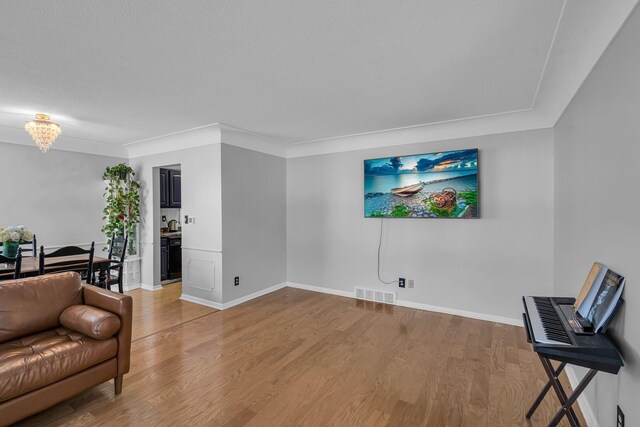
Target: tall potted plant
<point>122,213</point>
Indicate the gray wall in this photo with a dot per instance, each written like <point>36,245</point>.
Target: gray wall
<point>482,266</point>
<point>597,152</point>
<point>57,195</point>
<point>253,221</point>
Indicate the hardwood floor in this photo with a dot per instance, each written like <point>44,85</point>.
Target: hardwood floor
<point>157,311</point>
<point>301,358</point>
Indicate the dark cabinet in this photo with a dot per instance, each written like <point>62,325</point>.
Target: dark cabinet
<point>170,189</point>
<point>164,188</point>
<point>164,258</point>
<point>175,189</point>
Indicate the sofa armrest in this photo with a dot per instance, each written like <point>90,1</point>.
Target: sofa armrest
<point>121,305</point>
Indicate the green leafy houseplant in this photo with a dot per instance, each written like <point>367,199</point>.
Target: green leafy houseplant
<point>122,213</point>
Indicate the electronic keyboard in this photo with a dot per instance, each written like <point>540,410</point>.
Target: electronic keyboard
<point>552,330</point>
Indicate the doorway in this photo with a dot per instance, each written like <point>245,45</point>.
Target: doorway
<point>170,205</point>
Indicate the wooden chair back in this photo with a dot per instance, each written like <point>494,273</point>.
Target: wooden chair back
<point>31,248</point>
<point>117,252</point>
<point>118,248</point>
<point>10,267</point>
<point>70,258</point>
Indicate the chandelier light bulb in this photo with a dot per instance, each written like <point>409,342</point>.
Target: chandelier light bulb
<point>43,131</point>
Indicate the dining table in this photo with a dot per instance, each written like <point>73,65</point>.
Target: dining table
<point>31,265</point>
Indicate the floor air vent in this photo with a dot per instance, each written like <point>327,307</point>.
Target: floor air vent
<point>377,296</point>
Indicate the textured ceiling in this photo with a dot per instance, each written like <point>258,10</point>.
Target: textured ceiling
<point>123,71</point>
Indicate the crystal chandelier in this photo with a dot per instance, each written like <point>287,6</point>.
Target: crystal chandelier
<point>43,131</point>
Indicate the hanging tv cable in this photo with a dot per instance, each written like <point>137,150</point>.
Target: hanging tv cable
<point>379,249</point>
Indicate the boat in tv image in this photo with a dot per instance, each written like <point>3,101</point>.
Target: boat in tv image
<point>434,185</point>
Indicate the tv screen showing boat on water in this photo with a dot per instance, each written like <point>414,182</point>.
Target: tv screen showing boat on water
<point>434,185</point>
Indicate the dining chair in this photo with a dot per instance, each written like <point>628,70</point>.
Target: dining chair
<point>30,248</point>
<point>69,258</point>
<point>117,252</point>
<point>10,267</point>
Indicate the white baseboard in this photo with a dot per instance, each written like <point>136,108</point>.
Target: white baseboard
<point>416,305</point>
<point>463,313</point>
<point>202,301</point>
<point>233,303</point>
<point>147,287</point>
<point>253,295</point>
<point>321,289</point>
<point>583,402</point>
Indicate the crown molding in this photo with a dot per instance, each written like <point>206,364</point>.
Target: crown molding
<point>190,138</point>
<point>238,137</point>
<point>480,126</point>
<point>215,133</point>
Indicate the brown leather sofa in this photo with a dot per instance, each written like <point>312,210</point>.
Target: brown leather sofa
<point>57,339</point>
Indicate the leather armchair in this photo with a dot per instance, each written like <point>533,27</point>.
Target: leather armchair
<point>57,339</point>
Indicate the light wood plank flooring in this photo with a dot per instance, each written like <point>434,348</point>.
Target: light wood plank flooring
<point>299,358</point>
<point>157,311</point>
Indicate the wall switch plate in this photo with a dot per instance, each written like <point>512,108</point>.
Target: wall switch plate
<point>401,282</point>
<point>620,418</point>
<point>411,283</point>
<point>236,281</point>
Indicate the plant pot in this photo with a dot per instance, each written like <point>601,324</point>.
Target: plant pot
<point>10,249</point>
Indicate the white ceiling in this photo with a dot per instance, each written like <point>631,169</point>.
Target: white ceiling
<point>117,72</point>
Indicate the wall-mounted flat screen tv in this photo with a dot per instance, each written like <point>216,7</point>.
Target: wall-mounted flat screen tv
<point>434,185</point>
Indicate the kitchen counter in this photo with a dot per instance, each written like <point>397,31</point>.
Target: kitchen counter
<point>171,234</point>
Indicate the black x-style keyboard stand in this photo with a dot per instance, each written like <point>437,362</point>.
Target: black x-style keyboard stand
<point>566,402</point>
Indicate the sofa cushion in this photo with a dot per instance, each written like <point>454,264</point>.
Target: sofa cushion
<point>38,360</point>
<point>32,305</point>
<point>91,321</point>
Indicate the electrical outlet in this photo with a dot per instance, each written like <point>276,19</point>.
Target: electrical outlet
<point>186,219</point>
<point>236,281</point>
<point>411,283</point>
<point>401,282</point>
<point>620,420</point>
